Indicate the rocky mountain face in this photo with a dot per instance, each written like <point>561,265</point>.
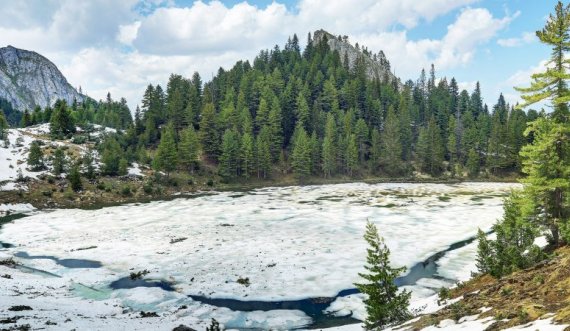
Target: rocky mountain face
<point>28,79</point>
<point>377,66</point>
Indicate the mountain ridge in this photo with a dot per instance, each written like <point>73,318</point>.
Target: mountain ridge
<point>29,79</point>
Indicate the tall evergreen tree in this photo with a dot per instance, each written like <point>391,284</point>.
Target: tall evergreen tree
<point>229,158</point>
<point>329,147</point>
<point>385,304</point>
<point>188,149</point>
<point>61,122</point>
<point>391,145</point>
<point>209,138</point>
<point>35,157</point>
<point>166,158</point>
<point>301,156</point>
<point>247,155</point>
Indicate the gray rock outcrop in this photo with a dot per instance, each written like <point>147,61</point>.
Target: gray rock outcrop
<point>377,66</point>
<point>27,80</point>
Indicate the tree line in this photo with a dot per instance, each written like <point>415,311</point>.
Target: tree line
<point>309,113</point>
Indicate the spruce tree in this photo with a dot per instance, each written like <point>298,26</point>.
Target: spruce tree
<point>58,162</point>
<point>247,155</point>
<point>74,178</point>
<point>209,138</point>
<point>188,149</point>
<point>166,158</point>
<point>351,155</point>
<point>276,131</point>
<point>263,154</point>
<point>391,145</point>
<point>385,304</point>
<point>329,147</point>
<point>473,163</point>
<point>61,122</point>
<point>229,158</point>
<point>36,157</point>
<point>301,156</point>
<point>3,126</point>
<point>110,157</point>
<point>88,162</point>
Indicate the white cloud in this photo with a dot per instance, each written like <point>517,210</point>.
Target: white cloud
<point>472,28</point>
<point>212,28</point>
<point>525,38</point>
<point>128,33</point>
<point>87,39</point>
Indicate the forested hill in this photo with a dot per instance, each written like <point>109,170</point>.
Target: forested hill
<point>317,113</point>
<point>330,110</point>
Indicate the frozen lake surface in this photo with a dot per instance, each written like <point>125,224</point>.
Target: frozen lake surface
<point>291,243</point>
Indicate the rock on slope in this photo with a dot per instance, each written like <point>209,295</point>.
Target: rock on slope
<point>28,79</point>
<point>377,66</point>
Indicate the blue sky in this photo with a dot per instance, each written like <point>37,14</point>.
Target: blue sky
<point>120,47</point>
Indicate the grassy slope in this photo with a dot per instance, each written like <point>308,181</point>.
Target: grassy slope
<point>522,297</point>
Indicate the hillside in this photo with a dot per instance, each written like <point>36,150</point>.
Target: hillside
<point>29,80</point>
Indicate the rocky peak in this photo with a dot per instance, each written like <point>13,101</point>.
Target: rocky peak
<point>27,80</point>
<point>377,66</point>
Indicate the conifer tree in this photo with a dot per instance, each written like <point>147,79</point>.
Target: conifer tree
<point>329,147</point>
<point>351,160</point>
<point>430,148</point>
<point>229,159</point>
<point>110,157</point>
<point>546,161</point>
<point>61,122</point>
<point>123,167</point>
<point>26,119</point>
<point>375,150</point>
<point>88,162</point>
<point>276,131</point>
<point>385,305</point>
<point>391,145</point>
<point>473,163</point>
<point>552,84</point>
<point>247,155</point>
<point>75,178</point>
<point>3,126</point>
<point>58,162</point>
<point>36,157</point>
<point>301,156</point>
<point>209,132</point>
<point>263,154</point>
<point>166,158</point>
<point>188,149</point>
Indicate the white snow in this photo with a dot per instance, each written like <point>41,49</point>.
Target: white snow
<point>15,208</point>
<point>135,170</point>
<point>291,242</point>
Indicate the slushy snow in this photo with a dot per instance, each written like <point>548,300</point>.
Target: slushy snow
<point>291,242</point>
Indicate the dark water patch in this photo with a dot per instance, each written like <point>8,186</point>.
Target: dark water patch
<point>129,283</point>
<point>68,263</point>
<point>314,307</point>
<point>7,219</point>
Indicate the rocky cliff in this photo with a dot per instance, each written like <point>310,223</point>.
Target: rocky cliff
<point>377,66</point>
<point>28,79</point>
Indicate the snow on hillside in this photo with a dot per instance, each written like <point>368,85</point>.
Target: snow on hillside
<point>13,158</point>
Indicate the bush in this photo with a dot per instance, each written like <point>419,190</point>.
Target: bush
<point>210,182</point>
<point>126,190</point>
<point>147,187</point>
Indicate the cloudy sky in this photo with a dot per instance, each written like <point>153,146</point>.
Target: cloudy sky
<point>122,46</point>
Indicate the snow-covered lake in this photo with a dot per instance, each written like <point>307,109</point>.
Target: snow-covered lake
<point>292,243</point>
